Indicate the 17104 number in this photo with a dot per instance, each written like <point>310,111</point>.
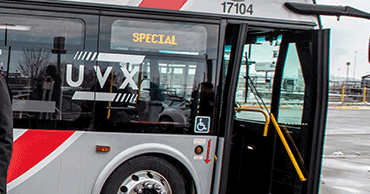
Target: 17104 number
<point>237,8</point>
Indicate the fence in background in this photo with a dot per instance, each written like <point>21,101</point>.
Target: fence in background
<point>348,92</point>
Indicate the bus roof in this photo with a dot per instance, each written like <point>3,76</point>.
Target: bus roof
<point>267,9</point>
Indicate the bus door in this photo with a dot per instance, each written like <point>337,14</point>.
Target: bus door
<point>277,107</point>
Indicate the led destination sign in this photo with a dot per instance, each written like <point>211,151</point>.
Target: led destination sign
<point>154,38</point>
<point>163,37</point>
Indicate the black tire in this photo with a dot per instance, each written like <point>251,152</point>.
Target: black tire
<point>134,173</point>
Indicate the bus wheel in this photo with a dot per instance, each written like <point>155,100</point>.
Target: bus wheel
<point>147,175</point>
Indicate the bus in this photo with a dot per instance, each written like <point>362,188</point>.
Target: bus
<point>169,97</point>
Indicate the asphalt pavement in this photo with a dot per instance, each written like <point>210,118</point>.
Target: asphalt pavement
<point>346,162</point>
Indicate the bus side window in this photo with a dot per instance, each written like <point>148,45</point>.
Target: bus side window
<point>164,64</point>
<point>42,98</point>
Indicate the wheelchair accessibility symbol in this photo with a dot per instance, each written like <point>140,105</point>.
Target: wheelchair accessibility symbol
<point>202,124</point>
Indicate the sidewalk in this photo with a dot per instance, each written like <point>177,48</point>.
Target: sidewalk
<point>331,105</point>
<point>349,105</point>
<point>351,101</point>
<point>334,103</point>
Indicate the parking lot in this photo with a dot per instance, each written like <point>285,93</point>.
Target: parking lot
<point>346,163</point>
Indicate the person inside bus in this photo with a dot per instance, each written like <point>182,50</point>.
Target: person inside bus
<point>206,101</point>
<point>151,99</point>
<point>202,101</point>
<point>52,76</point>
<point>37,91</point>
<point>102,112</point>
<point>36,94</point>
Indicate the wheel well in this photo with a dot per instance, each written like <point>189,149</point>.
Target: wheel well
<point>191,189</point>
<point>190,185</point>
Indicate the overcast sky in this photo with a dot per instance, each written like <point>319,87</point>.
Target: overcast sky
<point>348,35</point>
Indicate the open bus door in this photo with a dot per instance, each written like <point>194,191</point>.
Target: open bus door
<point>283,156</point>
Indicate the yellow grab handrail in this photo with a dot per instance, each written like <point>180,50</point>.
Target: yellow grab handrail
<point>267,117</point>
<point>110,91</point>
<point>287,148</point>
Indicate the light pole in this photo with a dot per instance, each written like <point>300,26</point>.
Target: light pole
<point>7,26</point>
<point>354,66</point>
<point>348,63</point>
<point>59,43</point>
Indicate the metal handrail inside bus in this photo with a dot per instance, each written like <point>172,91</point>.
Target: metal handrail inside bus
<point>300,172</point>
<point>266,114</point>
<point>269,116</point>
<point>257,95</point>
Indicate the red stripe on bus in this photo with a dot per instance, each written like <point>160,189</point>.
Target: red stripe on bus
<point>163,4</point>
<point>32,147</point>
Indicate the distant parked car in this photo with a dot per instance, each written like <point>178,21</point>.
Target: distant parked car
<point>175,113</point>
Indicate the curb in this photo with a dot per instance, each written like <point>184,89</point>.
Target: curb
<point>336,105</point>
<point>329,107</point>
<point>349,107</point>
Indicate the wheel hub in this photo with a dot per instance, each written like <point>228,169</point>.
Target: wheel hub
<point>145,182</point>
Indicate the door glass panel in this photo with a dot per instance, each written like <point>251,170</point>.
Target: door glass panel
<point>292,89</point>
<point>257,70</point>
